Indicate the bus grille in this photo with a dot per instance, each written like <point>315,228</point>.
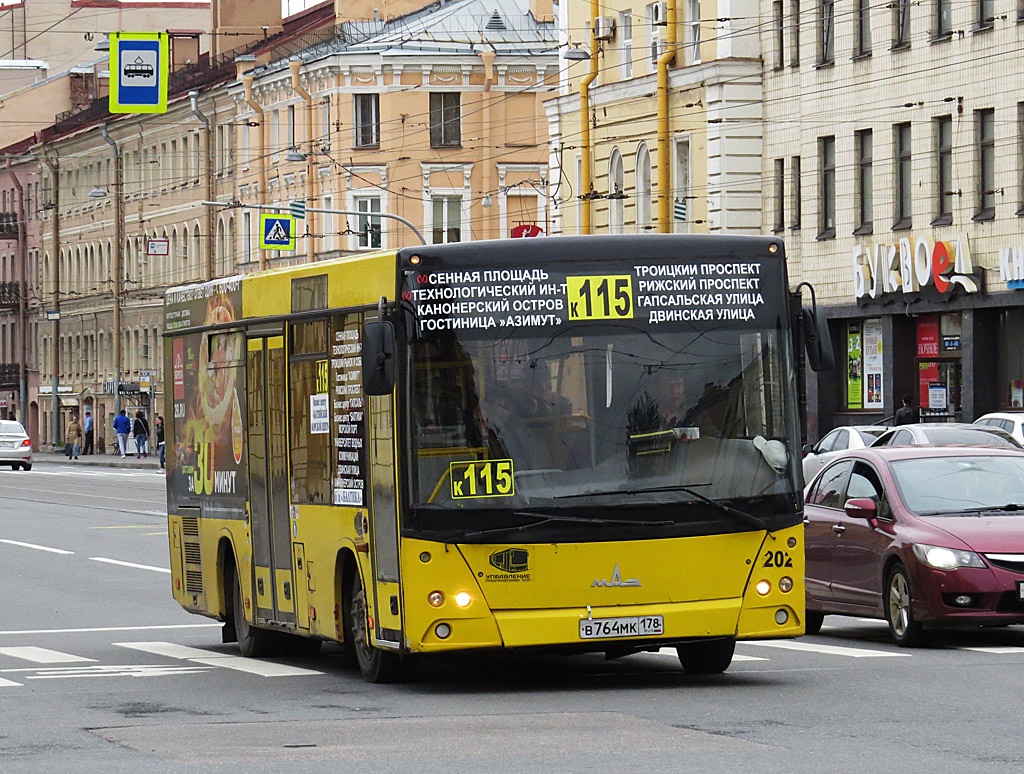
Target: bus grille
<point>193,581</point>
<point>190,525</point>
<point>192,554</point>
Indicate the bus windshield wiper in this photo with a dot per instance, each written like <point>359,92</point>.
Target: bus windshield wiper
<point>743,516</point>
<point>544,517</point>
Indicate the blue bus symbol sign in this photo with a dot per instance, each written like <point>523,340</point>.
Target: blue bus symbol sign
<point>138,72</point>
<point>277,232</point>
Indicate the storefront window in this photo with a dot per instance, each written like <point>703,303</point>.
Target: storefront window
<point>864,365</point>
<point>1011,359</point>
<point>938,362</point>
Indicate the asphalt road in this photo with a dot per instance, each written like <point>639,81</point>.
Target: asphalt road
<point>100,671</point>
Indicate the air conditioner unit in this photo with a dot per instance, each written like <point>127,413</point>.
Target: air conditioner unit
<point>604,28</point>
<point>659,14</point>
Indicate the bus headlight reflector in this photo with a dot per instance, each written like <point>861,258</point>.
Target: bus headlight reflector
<point>781,616</point>
<point>763,587</point>
<point>462,599</point>
<point>443,631</point>
<point>435,598</point>
<point>785,584</point>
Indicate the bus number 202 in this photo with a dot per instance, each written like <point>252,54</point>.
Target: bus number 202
<point>486,478</point>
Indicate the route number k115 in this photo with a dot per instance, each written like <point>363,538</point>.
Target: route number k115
<point>600,298</point>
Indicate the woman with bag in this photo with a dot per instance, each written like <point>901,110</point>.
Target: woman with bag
<point>140,428</point>
<point>73,437</point>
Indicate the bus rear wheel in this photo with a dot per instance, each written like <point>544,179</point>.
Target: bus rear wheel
<point>376,665</point>
<point>252,642</point>
<point>707,657</point>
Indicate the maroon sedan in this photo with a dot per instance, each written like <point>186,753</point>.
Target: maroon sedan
<point>924,537</point>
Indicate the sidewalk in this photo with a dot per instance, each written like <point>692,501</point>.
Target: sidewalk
<point>97,460</point>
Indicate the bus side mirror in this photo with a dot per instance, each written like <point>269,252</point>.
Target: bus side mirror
<point>816,340</point>
<point>378,358</point>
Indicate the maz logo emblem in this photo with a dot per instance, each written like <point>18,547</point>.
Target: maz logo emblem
<point>616,580</point>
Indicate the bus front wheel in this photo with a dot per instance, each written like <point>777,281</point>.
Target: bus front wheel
<point>252,642</point>
<point>707,657</point>
<point>376,665</point>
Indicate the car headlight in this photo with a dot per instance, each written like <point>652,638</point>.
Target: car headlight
<point>946,558</point>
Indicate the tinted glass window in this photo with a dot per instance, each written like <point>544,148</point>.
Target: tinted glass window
<point>869,434</point>
<point>968,435</point>
<point>864,482</point>
<point>832,486</point>
<point>826,443</point>
<point>1007,425</point>
<point>842,441</point>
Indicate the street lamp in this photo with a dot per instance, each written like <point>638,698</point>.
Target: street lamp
<point>295,155</point>
<point>97,193</point>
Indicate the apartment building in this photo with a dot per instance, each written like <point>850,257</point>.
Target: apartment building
<point>635,150</point>
<point>894,167</point>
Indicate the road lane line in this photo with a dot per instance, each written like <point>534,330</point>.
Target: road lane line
<point>198,656</point>
<point>997,649</point>
<point>130,564</point>
<point>828,650</point>
<point>7,683</point>
<point>130,670</point>
<point>38,548</point>
<point>42,655</point>
<point>736,656</point>
<point>113,629</point>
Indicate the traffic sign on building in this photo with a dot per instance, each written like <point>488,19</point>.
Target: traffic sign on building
<point>298,208</point>
<point>139,67</point>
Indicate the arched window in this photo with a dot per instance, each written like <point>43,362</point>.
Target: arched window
<point>643,188</point>
<point>615,193</point>
<point>197,252</point>
<point>221,248</point>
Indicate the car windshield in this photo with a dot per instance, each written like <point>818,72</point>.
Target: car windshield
<point>951,485</point>
<point>869,434</point>
<point>969,435</point>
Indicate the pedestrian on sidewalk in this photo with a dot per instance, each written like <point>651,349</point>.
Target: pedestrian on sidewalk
<point>140,429</point>
<point>88,433</point>
<point>122,426</point>
<point>73,436</point>
<point>159,421</point>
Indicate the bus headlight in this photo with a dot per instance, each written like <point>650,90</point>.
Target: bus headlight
<point>763,587</point>
<point>462,599</point>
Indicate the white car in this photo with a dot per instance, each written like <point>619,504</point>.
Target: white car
<point>1010,421</point>
<point>15,445</point>
<point>839,440</point>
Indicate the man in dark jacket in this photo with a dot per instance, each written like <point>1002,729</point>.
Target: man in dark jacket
<point>907,414</point>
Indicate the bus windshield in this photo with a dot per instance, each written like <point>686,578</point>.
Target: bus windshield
<point>602,417</point>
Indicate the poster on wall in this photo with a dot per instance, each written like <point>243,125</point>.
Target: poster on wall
<point>873,364</point>
<point>1017,393</point>
<point>854,375</point>
<point>928,372</point>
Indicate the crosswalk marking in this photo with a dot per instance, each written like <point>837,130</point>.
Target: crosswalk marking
<point>8,683</point>
<point>115,670</point>
<point>830,650</point>
<point>997,649</point>
<point>238,663</point>
<point>42,655</point>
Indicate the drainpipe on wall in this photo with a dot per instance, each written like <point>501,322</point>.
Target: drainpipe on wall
<point>585,145</point>
<point>297,87</point>
<point>206,136</point>
<point>664,156</point>
<point>488,179</point>
<point>261,152</point>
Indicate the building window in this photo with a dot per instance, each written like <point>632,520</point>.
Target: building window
<point>826,32</point>
<point>693,30</point>
<point>778,23</point>
<point>291,126</point>
<point>796,209</point>
<point>827,199</point>
<point>325,124</point>
<point>943,18</point>
<point>794,33</point>
<point>901,23</point>
<point>862,46</point>
<point>780,194</point>
<point>653,38</point>
<point>986,14</point>
<point>986,142</point>
<point>616,196</point>
<point>445,119</point>
<point>681,213</point>
<point>447,220</point>
<point>944,171</point>
<point>902,174</point>
<point>579,197</point>
<point>643,189</point>
<point>626,47</point>
<point>865,182</point>
<point>1020,156</point>
<point>368,223</point>
<point>275,132</point>
<point>367,120</point>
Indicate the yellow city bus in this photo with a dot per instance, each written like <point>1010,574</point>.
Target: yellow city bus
<point>564,444</point>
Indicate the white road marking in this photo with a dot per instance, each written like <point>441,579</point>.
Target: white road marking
<point>127,670</point>
<point>38,548</point>
<point>112,629</point>
<point>42,655</point>
<point>238,663</point>
<point>7,683</point>
<point>828,650</point>
<point>998,649</point>
<point>130,564</point>
<point>736,657</point>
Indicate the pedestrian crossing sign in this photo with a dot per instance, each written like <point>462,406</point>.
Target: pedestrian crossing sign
<point>277,232</point>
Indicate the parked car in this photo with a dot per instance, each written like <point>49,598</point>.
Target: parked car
<point>836,442</point>
<point>15,445</point>
<point>1010,421</point>
<point>946,432</point>
<point>922,537</point>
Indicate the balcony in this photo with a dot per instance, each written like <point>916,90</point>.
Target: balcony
<point>8,225</point>
<point>10,375</point>
<point>10,295</point>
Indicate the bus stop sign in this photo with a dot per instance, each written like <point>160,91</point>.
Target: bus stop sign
<point>277,232</point>
<point>138,72</point>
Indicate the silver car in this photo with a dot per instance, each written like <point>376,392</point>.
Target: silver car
<point>15,445</point>
<point>835,443</point>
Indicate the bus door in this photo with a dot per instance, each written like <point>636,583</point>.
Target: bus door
<point>384,525</point>
<point>268,479</point>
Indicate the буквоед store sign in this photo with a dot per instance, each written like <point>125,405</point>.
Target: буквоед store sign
<point>913,267</point>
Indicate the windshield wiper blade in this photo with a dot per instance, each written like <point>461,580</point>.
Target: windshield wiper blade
<point>743,516</point>
<point>544,517</point>
<point>984,508</point>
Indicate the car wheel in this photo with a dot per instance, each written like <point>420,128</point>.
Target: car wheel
<point>708,657</point>
<point>905,630</point>
<point>813,621</point>
<point>376,665</point>
<point>26,466</point>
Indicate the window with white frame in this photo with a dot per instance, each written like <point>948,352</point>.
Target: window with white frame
<point>446,222</point>
<point>693,30</point>
<point>275,132</point>
<point>579,193</point>
<point>327,224</point>
<point>653,39</point>
<point>445,119</point>
<point>367,120</point>
<point>616,194</point>
<point>681,199</point>
<point>626,43</point>
<point>643,188</point>
<point>368,234</point>
<point>325,123</point>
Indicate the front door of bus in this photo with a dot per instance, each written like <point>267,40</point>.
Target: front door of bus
<point>268,480</point>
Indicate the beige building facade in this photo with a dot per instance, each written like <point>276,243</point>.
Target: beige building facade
<point>894,167</point>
